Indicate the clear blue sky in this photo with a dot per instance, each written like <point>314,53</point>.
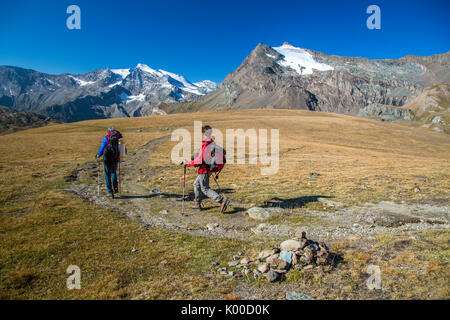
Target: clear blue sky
<point>208,39</point>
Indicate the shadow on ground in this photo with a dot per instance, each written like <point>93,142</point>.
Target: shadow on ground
<point>292,203</point>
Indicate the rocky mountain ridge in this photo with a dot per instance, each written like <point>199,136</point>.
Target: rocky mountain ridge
<point>296,78</point>
<point>104,93</point>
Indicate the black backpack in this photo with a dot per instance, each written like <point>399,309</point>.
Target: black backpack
<point>111,154</point>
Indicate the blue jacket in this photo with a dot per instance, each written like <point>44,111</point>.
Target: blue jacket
<point>103,146</point>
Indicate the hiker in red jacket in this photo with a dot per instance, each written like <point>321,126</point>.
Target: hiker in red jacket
<point>201,184</point>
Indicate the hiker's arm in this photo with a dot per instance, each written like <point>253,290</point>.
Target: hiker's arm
<point>102,147</point>
<point>197,160</point>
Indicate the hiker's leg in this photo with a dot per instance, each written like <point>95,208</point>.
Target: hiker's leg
<point>210,193</point>
<point>108,178</point>
<point>197,189</point>
<point>114,175</point>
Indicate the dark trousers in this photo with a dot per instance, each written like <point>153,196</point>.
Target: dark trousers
<point>110,174</point>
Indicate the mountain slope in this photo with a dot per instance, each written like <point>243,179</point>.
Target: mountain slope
<point>12,119</point>
<point>431,107</point>
<point>98,94</point>
<point>296,78</point>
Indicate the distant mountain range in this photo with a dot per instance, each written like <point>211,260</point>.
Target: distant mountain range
<point>105,93</point>
<point>295,78</point>
<point>270,77</point>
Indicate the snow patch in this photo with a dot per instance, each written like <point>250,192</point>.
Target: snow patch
<point>121,72</point>
<point>123,96</point>
<point>147,69</point>
<point>81,82</point>
<point>300,60</point>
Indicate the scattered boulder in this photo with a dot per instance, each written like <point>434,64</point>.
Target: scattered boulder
<point>245,261</point>
<point>291,245</point>
<point>287,256</point>
<point>212,226</point>
<point>329,203</point>
<point>164,211</point>
<point>266,253</point>
<point>272,276</point>
<point>298,296</point>
<point>258,213</point>
<point>233,264</point>
<point>263,267</point>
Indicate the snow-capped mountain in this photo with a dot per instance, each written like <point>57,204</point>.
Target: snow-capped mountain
<point>103,93</point>
<point>291,77</point>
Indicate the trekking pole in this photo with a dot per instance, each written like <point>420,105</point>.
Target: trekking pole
<point>120,182</point>
<point>98,178</point>
<point>220,189</point>
<point>184,187</point>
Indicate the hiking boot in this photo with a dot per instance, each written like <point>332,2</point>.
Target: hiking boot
<point>225,202</point>
<point>197,205</point>
<point>110,195</point>
<point>116,189</point>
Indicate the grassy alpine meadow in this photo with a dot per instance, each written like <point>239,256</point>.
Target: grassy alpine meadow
<point>44,228</point>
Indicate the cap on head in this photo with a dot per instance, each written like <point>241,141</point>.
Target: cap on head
<point>109,129</point>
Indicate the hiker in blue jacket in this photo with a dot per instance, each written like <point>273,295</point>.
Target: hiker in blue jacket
<point>110,150</point>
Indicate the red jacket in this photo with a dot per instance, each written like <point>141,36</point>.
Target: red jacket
<point>198,161</point>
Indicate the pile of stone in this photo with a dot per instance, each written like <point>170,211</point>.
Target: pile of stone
<point>298,253</point>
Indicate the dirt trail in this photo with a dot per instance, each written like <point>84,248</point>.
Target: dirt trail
<point>152,208</point>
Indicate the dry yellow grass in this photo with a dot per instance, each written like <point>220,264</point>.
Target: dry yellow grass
<point>43,229</point>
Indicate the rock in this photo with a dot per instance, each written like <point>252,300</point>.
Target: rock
<point>276,263</point>
<point>231,273</point>
<point>264,254</point>
<point>436,120</point>
<point>164,262</point>
<point>233,264</point>
<point>290,245</point>
<point>272,259</point>
<point>272,276</point>
<point>256,274</point>
<point>133,250</point>
<point>246,271</point>
<point>245,261</point>
<point>298,296</point>
<point>416,189</point>
<point>363,186</point>
<point>212,226</point>
<point>222,271</point>
<point>263,268</point>
<point>258,213</point>
<point>329,203</point>
<point>280,271</point>
<point>294,259</point>
<point>236,257</point>
<point>308,267</point>
<point>163,212</point>
<point>287,256</point>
